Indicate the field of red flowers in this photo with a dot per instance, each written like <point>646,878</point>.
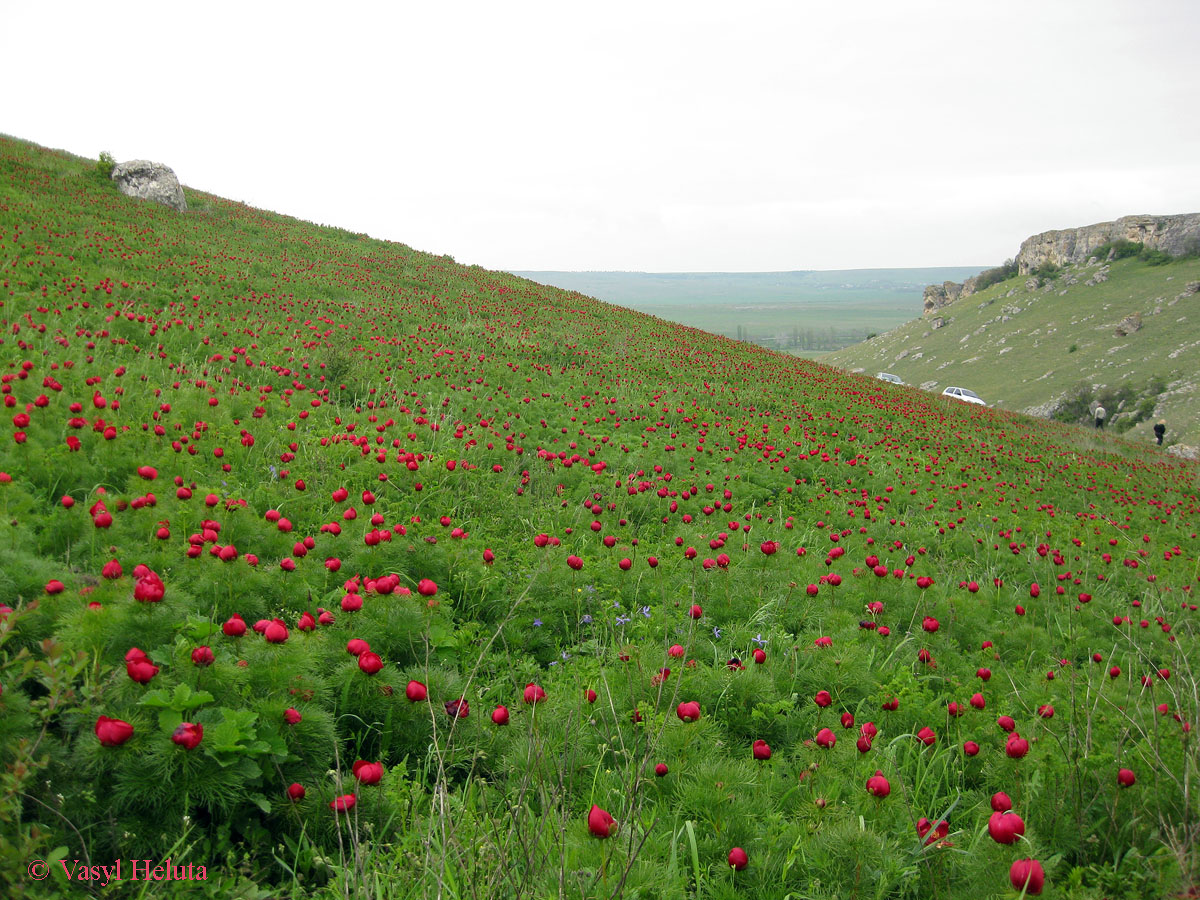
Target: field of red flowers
<point>332,568</point>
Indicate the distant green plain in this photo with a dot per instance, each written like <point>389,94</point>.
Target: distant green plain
<point>804,312</point>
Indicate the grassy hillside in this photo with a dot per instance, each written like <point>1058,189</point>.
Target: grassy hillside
<point>332,569</point>
<point>1020,348</point>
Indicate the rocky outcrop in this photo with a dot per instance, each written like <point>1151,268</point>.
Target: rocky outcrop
<point>939,295</point>
<point>1128,325</point>
<point>149,181</point>
<point>1170,234</point>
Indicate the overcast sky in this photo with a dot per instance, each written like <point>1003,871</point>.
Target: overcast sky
<point>652,136</point>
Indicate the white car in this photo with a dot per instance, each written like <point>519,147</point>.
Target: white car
<point>889,377</point>
<point>963,394</point>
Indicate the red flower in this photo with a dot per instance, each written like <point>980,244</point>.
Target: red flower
<point>970,748</point>
<point>600,823</point>
<point>202,656</point>
<point>1006,723</point>
<point>296,792</point>
<point>275,632</point>
<point>823,699</point>
<point>1126,778</point>
<point>344,803</point>
<point>500,715</point>
<point>458,709</point>
<point>426,587</point>
<point>292,716</point>
<point>140,669</point>
<point>234,626</point>
<point>926,736</point>
<point>695,612</point>
<point>307,622</point>
<point>149,588</point>
<point>688,711</point>
<point>370,662</point>
<point>368,772</point>
<point>188,735</point>
<point>761,750</point>
<point>415,692</point>
<point>534,693</point>
<point>589,695</point>
<point>738,859</point>
<point>113,732</point>
<point>1016,746</point>
<point>1001,802</point>
<point>1005,827</point>
<point>826,738</point>
<point>660,770</point>
<point>357,646</point>
<point>1027,875</point>
<point>878,785</point>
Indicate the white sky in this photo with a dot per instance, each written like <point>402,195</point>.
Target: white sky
<point>653,136</point>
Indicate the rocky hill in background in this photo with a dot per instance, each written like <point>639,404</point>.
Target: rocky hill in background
<point>1124,332</point>
<point>1173,236</point>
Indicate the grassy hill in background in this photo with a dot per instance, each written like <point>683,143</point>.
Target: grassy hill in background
<point>1054,345</point>
<point>802,312</point>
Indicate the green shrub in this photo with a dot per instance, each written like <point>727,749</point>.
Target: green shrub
<point>1121,249</point>
<point>1000,273</point>
<point>1047,271</point>
<point>105,165</point>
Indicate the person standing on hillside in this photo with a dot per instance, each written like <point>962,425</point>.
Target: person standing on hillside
<point>1100,414</point>
<point>1160,429</point>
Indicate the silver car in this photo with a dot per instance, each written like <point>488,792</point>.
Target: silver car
<point>963,394</point>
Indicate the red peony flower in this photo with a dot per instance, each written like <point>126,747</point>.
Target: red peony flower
<point>416,692</point>
<point>1027,875</point>
<point>878,785</point>
<point>688,711</point>
<point>202,656</point>
<point>600,823</point>
<point>188,735</point>
<point>533,693</point>
<point>113,732</point>
<point>368,772</point>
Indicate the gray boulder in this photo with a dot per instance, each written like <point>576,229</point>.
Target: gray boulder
<point>149,181</point>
